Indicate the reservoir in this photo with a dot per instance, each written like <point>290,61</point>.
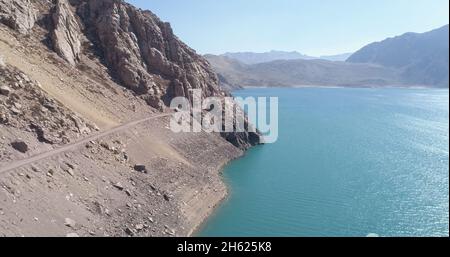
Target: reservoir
<point>348,162</point>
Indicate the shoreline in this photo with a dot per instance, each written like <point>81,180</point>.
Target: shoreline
<point>196,229</point>
<point>194,232</point>
<point>343,87</point>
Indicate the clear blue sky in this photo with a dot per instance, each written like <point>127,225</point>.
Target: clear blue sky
<point>314,27</point>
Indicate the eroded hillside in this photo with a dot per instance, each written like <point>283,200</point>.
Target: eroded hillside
<point>78,70</point>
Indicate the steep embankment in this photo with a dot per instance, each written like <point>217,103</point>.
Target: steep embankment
<point>74,70</point>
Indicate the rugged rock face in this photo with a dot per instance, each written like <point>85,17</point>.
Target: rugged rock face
<point>19,15</point>
<point>148,58</point>
<point>140,51</point>
<point>144,53</point>
<point>66,35</point>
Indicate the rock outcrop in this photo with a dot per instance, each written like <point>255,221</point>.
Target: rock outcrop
<point>66,35</point>
<point>144,53</point>
<point>19,15</point>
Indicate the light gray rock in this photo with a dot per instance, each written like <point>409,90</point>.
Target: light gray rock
<point>139,48</point>
<point>19,15</point>
<point>119,186</point>
<point>66,35</point>
<point>139,227</point>
<point>70,222</point>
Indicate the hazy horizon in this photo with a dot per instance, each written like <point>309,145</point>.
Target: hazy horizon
<point>314,28</point>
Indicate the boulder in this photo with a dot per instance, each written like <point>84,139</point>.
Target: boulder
<point>20,146</point>
<point>70,222</point>
<point>15,111</point>
<point>5,90</point>
<point>4,118</point>
<point>130,231</point>
<point>140,168</point>
<point>119,186</point>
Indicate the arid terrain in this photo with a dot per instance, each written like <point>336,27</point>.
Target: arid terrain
<point>85,144</point>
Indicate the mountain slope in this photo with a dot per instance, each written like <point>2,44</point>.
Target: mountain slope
<point>70,70</point>
<point>423,58</point>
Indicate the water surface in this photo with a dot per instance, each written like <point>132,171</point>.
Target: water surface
<point>348,162</point>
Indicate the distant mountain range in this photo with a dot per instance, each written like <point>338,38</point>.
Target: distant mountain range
<point>234,74</point>
<point>412,59</point>
<point>256,58</point>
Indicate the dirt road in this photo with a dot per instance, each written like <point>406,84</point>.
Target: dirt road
<point>71,146</point>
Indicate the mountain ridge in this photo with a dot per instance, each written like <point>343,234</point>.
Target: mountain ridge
<point>234,75</point>
<point>422,57</point>
<point>255,58</point>
<point>274,55</point>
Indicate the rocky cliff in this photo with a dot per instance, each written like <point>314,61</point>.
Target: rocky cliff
<point>143,52</point>
<point>139,50</point>
<point>19,15</point>
<point>78,155</point>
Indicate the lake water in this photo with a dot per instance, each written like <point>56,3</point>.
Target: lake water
<point>348,162</point>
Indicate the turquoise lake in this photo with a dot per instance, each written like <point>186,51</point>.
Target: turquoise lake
<point>348,162</point>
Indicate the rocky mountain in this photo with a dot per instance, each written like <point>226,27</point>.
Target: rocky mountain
<point>85,146</point>
<point>230,71</point>
<point>255,58</point>
<point>19,15</point>
<point>290,73</point>
<point>423,58</point>
<point>139,50</point>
